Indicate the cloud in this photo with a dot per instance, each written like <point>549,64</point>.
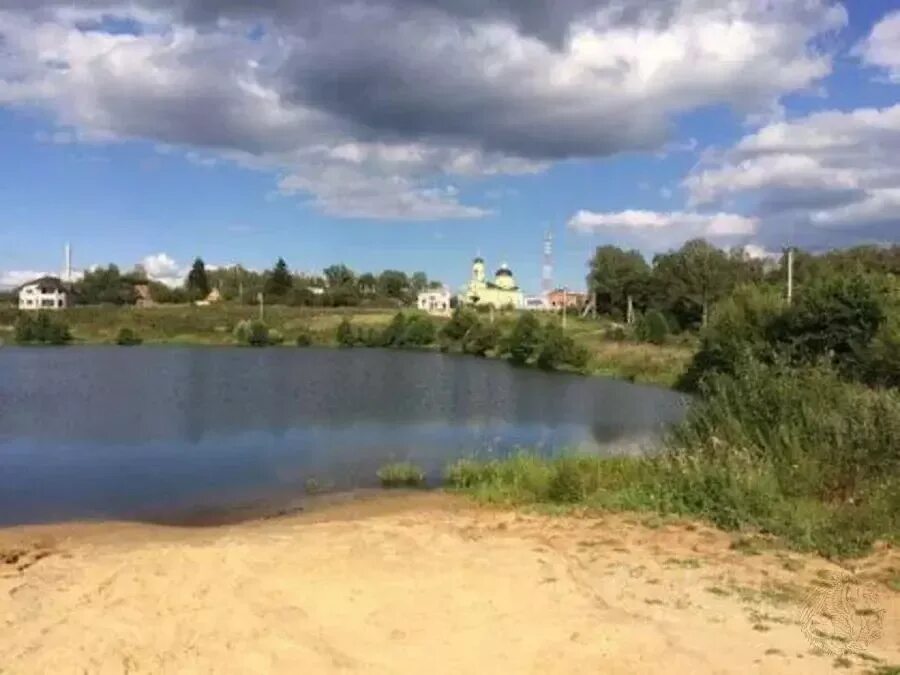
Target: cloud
<point>162,268</point>
<point>825,178</point>
<point>375,108</point>
<point>882,48</point>
<point>15,278</point>
<point>665,229</point>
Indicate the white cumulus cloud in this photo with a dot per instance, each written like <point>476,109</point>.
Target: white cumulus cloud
<point>882,48</point>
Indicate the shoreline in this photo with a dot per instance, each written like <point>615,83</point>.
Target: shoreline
<point>408,582</point>
<point>610,374</point>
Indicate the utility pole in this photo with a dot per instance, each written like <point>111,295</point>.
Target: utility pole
<point>262,306</point>
<point>629,313</point>
<point>790,274</point>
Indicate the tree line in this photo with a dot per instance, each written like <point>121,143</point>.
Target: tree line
<point>337,286</point>
<point>685,285</point>
<point>844,313</point>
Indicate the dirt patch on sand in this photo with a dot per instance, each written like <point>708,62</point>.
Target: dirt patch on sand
<point>420,584</point>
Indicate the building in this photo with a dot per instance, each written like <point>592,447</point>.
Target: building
<point>571,299</point>
<point>45,293</point>
<point>143,296</point>
<point>435,301</point>
<point>215,296</point>
<point>536,303</point>
<point>502,292</point>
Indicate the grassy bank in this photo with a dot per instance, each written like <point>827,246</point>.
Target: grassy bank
<point>212,325</point>
<point>799,455</point>
<point>215,325</point>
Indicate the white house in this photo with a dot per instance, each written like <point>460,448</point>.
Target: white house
<point>46,293</point>
<point>435,301</point>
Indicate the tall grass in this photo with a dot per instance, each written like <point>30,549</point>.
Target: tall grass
<point>798,454</point>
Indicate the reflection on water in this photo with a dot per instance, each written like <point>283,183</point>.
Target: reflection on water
<point>94,431</point>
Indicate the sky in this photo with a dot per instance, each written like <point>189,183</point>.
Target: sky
<point>415,134</point>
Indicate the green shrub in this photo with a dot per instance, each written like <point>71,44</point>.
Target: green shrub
<point>835,318</point>
<point>524,339</point>
<point>345,335</point>
<point>401,474</point>
<point>419,331</point>
<point>304,339</point>
<point>126,337</point>
<point>393,334</point>
<point>481,338</point>
<point>257,334</point>
<point>41,329</point>
<point>461,322</point>
<point>652,328</point>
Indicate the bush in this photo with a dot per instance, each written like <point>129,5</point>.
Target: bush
<point>126,337</point>
<point>257,334</point>
<point>393,333</point>
<point>524,339</point>
<point>401,474</point>
<point>836,318</point>
<point>652,328</point>
<point>345,334</point>
<point>461,322</point>
<point>419,331</point>
<point>304,339</point>
<point>480,339</point>
<point>41,329</point>
<point>737,333</point>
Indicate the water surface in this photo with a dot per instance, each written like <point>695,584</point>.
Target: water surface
<point>98,432</point>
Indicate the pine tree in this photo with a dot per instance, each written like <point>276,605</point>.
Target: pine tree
<point>279,281</point>
<point>197,281</point>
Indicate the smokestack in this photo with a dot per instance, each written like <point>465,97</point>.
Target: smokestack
<point>68,263</point>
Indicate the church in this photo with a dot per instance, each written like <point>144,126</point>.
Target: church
<point>502,292</point>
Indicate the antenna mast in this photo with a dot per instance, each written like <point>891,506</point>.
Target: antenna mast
<point>547,272</point>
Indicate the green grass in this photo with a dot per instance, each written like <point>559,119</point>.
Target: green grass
<point>401,474</point>
<point>212,325</point>
<point>797,455</point>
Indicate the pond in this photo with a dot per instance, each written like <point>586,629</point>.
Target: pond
<point>153,432</point>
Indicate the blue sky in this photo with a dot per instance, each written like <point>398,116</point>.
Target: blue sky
<point>136,131</point>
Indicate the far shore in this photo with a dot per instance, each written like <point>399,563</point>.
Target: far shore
<point>186,325</point>
<point>412,583</point>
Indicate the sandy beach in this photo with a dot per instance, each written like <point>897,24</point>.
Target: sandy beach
<point>430,583</point>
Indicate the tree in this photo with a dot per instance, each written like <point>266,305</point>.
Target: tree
<point>106,285</point>
<point>419,282</point>
<point>615,275</point>
<point>393,284</point>
<point>338,276</point>
<point>279,281</point>
<point>692,278</point>
<point>197,281</point>
<point>367,283</point>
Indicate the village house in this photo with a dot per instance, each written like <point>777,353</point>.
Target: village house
<point>569,299</point>
<point>46,293</point>
<point>435,301</point>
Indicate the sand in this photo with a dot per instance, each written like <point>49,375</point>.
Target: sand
<point>421,584</point>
